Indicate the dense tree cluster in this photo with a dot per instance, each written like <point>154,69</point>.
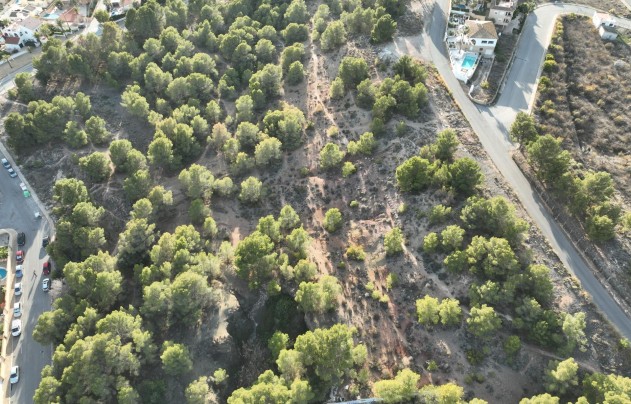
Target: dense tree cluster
<point>404,388</point>
<point>435,165</point>
<point>206,78</point>
<point>588,194</point>
<point>79,229</point>
<point>318,358</point>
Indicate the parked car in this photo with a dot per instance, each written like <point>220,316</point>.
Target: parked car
<point>21,239</point>
<point>6,163</point>
<point>18,289</point>
<point>45,241</point>
<point>15,375</point>
<point>17,309</point>
<point>25,191</point>
<point>46,268</point>
<point>19,271</point>
<point>46,285</point>
<point>19,256</point>
<point>12,173</point>
<point>16,328</point>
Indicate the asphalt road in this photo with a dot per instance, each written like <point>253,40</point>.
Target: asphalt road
<point>491,124</point>
<point>17,212</point>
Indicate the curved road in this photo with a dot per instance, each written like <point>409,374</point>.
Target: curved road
<point>491,125</point>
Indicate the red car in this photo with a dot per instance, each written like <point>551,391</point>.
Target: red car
<point>19,256</point>
<point>46,268</point>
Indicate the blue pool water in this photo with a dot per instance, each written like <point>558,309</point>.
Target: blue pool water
<point>468,61</point>
<point>3,273</point>
<point>53,16</point>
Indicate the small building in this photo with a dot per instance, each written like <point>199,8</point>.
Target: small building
<point>603,19</point>
<point>71,18</point>
<point>18,30</point>
<point>501,11</point>
<point>481,37</point>
<point>608,33</point>
<point>12,44</point>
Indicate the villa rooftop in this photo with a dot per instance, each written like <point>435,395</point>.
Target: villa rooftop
<point>481,29</point>
<point>32,23</point>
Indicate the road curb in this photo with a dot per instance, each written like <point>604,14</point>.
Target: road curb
<point>22,178</point>
<point>5,364</point>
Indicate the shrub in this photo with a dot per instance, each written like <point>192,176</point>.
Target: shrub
<point>550,66</point>
<point>251,190</point>
<point>332,220</point>
<point>331,156</point>
<point>415,174</point>
<point>431,243</point>
<point>348,169</point>
<point>393,241</point>
<point>355,253</point>
<point>439,214</point>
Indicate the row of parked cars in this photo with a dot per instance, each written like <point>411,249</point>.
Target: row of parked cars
<point>16,324</point>
<point>7,165</point>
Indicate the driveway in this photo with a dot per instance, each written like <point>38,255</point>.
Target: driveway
<point>491,125</point>
<point>17,212</point>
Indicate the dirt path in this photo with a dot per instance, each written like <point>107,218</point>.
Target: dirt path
<point>314,89</point>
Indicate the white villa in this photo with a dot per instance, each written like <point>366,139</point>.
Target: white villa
<point>16,36</point>
<point>501,12</point>
<point>467,43</point>
<point>606,25</point>
<point>603,19</point>
<point>481,37</point>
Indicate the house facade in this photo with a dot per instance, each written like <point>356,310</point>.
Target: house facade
<point>603,19</point>
<point>12,44</point>
<point>16,36</point>
<point>501,12</point>
<point>481,37</point>
<point>608,33</point>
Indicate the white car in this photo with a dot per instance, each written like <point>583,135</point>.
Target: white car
<point>17,309</point>
<point>46,285</point>
<point>12,173</point>
<point>15,374</point>
<point>16,328</point>
<point>23,187</point>
<point>19,271</point>
<point>6,163</point>
<point>18,288</point>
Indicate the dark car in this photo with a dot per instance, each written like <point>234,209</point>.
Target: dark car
<point>21,239</point>
<point>45,241</point>
<point>46,268</point>
<point>19,256</point>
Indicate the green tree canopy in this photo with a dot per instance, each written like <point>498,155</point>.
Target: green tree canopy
<point>176,360</point>
<point>403,388</point>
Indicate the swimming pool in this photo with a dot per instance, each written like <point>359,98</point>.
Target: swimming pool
<point>3,273</point>
<point>468,61</point>
<point>52,16</point>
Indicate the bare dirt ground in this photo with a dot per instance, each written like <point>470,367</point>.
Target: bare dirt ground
<point>588,104</point>
<point>390,330</point>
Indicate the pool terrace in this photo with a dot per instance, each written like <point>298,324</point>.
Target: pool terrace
<point>463,64</point>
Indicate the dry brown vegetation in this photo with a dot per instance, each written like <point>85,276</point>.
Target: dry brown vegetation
<point>586,100</point>
<point>390,330</point>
